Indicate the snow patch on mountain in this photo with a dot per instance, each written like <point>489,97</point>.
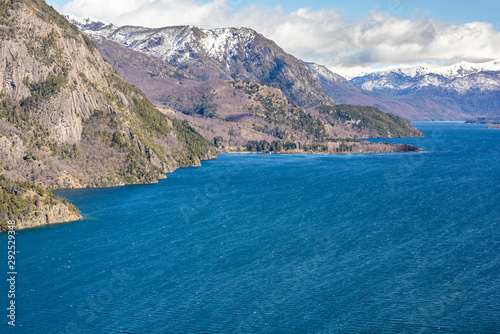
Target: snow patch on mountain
<point>91,24</point>
<point>461,69</point>
<point>322,71</point>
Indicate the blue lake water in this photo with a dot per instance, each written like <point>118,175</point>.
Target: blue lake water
<point>375,243</point>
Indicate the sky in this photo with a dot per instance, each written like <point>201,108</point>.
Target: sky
<point>349,37</point>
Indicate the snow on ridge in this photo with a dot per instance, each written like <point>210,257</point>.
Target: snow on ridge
<point>482,81</point>
<point>321,70</point>
<point>167,41</point>
<point>461,69</point>
<point>458,77</point>
<point>83,21</point>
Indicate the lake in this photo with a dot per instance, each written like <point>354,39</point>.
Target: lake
<point>267,243</point>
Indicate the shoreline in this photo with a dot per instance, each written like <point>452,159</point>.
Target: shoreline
<point>323,153</point>
<point>415,150</point>
<point>28,225</point>
<point>232,152</point>
<point>47,224</point>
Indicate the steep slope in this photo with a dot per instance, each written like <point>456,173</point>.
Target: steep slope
<point>343,91</point>
<point>215,107</point>
<point>237,53</point>
<point>68,120</point>
<point>471,89</point>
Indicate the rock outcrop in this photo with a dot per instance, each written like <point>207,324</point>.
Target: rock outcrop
<point>28,205</point>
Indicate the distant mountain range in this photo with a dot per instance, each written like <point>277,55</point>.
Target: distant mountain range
<point>472,90</point>
<point>414,109</point>
<point>460,77</point>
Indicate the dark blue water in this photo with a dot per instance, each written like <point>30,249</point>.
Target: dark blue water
<point>380,243</point>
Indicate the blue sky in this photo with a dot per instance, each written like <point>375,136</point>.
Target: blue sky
<point>454,11</point>
<point>346,36</point>
<point>457,11</point>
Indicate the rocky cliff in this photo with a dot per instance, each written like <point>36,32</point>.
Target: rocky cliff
<point>68,120</point>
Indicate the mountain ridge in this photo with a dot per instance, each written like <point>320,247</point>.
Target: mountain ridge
<point>454,77</point>
<point>459,69</point>
<point>344,91</point>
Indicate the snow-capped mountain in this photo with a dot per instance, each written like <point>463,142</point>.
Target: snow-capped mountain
<point>322,72</point>
<point>458,70</point>
<point>169,43</point>
<point>416,92</point>
<point>343,91</point>
<point>90,24</point>
<point>216,53</point>
<point>473,89</point>
<point>459,77</point>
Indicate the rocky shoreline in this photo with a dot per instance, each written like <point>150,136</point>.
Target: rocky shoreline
<point>29,205</point>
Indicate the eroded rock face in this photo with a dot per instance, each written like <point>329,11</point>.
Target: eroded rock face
<point>61,112</point>
<point>12,150</point>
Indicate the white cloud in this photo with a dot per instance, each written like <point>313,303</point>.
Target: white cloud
<point>322,36</point>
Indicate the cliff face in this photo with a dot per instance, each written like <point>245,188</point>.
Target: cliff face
<point>48,214</point>
<point>30,205</point>
<point>68,120</point>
